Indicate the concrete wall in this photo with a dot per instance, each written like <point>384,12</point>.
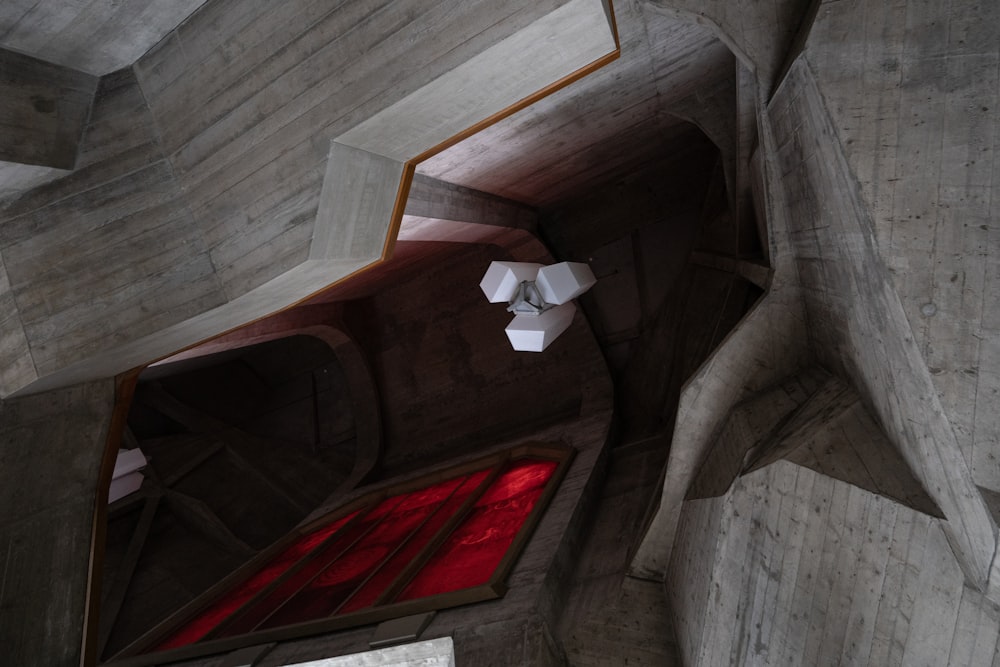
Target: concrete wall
<point>95,37</point>
<point>856,321</point>
<point>758,33</point>
<point>792,567</point>
<point>872,147</point>
<point>609,618</point>
<point>122,200</point>
<point>51,446</point>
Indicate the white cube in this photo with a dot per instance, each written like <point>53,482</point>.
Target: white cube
<point>124,485</point>
<point>564,281</point>
<point>502,279</point>
<point>535,333</point>
<point>128,461</point>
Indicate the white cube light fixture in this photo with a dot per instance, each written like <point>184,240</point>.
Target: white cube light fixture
<point>564,281</point>
<point>503,278</point>
<point>539,298</point>
<point>534,333</point>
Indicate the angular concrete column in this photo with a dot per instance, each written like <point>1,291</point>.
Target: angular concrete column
<point>51,449</point>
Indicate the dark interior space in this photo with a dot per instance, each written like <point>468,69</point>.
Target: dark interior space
<point>241,446</point>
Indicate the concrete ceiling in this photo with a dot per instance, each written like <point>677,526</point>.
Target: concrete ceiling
<point>600,128</point>
<point>92,37</point>
<point>604,126</point>
<point>672,75</point>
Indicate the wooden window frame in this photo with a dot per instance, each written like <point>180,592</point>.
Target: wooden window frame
<point>141,653</point>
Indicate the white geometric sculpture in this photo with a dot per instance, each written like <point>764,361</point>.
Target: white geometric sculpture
<point>503,278</point>
<point>126,478</point>
<point>534,333</point>
<point>564,281</point>
<point>539,298</point>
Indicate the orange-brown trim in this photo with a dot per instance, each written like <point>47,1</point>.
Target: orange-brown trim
<point>409,168</point>
<point>124,388</point>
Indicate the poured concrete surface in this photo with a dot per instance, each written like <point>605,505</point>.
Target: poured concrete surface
<point>866,156</point>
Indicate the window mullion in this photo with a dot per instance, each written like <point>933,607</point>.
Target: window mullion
<point>167,631</point>
<point>421,559</point>
<point>399,547</point>
<point>302,562</point>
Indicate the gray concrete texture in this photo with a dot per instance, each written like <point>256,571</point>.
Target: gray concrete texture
<point>864,140</point>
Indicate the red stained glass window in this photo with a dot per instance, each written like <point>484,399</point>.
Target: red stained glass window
<point>474,550</point>
<point>374,587</point>
<point>214,614</point>
<point>429,542</point>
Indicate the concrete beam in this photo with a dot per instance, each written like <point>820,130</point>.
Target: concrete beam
<point>94,37</point>
<point>43,110</point>
<point>435,199</point>
<point>51,446</point>
<point>755,272</point>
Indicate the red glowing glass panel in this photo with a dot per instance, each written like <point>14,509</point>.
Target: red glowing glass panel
<point>331,587</point>
<point>318,560</point>
<point>211,616</point>
<point>387,574</point>
<point>472,553</point>
<point>355,562</point>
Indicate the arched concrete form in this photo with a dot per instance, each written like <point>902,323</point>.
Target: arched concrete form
<point>319,321</point>
<point>264,462</point>
<point>352,225</point>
